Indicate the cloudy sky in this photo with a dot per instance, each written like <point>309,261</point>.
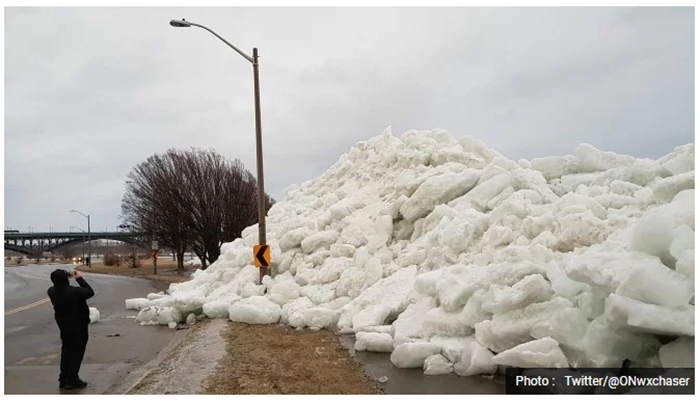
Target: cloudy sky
<point>91,92</point>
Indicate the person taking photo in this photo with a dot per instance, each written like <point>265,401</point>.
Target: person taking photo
<point>72,315</point>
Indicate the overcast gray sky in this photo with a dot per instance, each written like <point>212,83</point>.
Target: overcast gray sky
<point>91,92</point>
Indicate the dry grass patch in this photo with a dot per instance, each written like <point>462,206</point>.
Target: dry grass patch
<point>167,271</point>
<point>275,359</point>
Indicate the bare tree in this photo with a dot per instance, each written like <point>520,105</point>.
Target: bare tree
<point>193,197</point>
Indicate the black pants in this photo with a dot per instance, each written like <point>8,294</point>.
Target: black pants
<point>74,341</point>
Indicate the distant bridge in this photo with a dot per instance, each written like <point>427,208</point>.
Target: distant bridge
<point>34,244</point>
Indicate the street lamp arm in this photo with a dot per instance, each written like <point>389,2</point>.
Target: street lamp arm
<point>250,59</point>
<point>79,213</point>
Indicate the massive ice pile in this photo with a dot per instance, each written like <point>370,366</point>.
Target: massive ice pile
<point>457,259</point>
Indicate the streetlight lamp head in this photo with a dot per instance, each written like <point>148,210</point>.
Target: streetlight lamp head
<point>180,24</point>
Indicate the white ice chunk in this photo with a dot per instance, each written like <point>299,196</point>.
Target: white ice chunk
<point>342,250</point>
<point>255,310</point>
<point>438,190</point>
<point>345,207</point>
<point>624,188</point>
<point>320,294</point>
<point>607,345</point>
<point>566,326</point>
<point>94,315</point>
<point>293,238</point>
<point>444,323</point>
<point>284,292</point>
<point>216,309</point>
<point>331,269</point>
<point>686,264</point>
<point>480,196</point>
<point>374,342</point>
<point>607,270</point>
<point>634,315</point>
<point>580,229</point>
<point>409,325</point>
<point>679,353</point>
<point>148,315</point>
<point>153,296</point>
<point>475,359</point>
<point>562,284</point>
<point>452,347</point>
<point>653,233</point>
<point>159,315</point>
<point>553,167</point>
<point>191,319</point>
<point>593,159</point>
<point>657,284</point>
<point>413,354</point>
<point>318,240</point>
<point>392,292</point>
<point>459,283</point>
<point>473,311</point>
<point>252,289</point>
<point>437,365</point>
<point>683,161</point>
<point>683,239</point>
<point>425,283</point>
<point>336,304</point>
<point>319,317</point>
<point>293,312</point>
<point>371,316</point>
<point>383,329</point>
<point>572,182</point>
<point>137,304</point>
<point>666,189</point>
<point>543,352</point>
<point>531,289</point>
<point>508,330</point>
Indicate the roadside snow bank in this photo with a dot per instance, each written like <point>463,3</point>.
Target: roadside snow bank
<point>455,258</point>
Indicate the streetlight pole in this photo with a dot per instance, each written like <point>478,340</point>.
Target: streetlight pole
<point>89,261</point>
<point>258,132</point>
<point>83,243</point>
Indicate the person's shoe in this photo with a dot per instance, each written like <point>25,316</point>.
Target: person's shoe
<point>80,384</point>
<point>76,385</point>
<point>61,384</point>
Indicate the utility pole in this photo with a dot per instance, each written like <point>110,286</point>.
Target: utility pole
<point>258,133</point>
<point>154,244</point>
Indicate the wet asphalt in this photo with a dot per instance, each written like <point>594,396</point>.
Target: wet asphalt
<point>117,344</point>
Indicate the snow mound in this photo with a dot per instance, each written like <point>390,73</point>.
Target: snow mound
<point>444,252</point>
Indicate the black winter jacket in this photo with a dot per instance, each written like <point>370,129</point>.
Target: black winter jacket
<point>69,303</point>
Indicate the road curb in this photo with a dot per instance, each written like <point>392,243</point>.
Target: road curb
<point>137,375</point>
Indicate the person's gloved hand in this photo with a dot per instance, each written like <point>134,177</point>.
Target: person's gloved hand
<point>76,274</point>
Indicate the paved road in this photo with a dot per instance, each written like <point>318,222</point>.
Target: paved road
<point>33,345</point>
